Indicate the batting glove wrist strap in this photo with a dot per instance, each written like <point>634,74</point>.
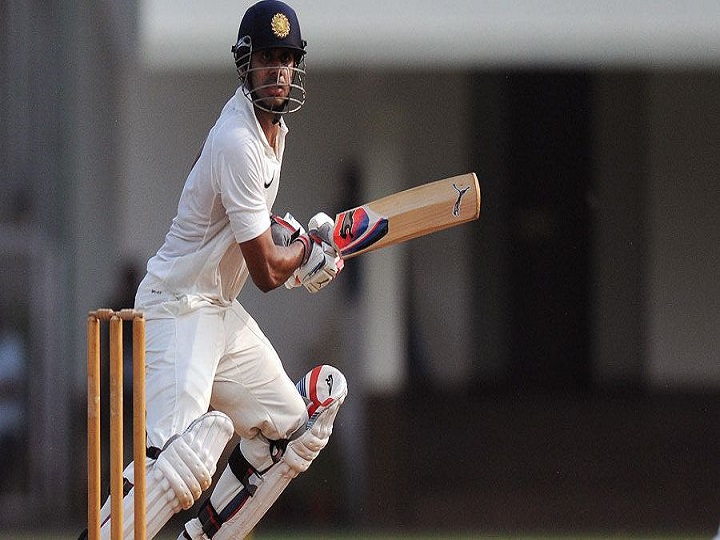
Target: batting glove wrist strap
<point>306,242</point>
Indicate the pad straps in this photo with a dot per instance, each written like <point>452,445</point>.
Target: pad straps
<point>210,519</point>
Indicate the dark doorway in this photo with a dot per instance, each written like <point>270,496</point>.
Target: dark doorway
<point>549,168</point>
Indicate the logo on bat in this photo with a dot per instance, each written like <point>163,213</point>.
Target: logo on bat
<point>358,229</point>
<point>456,206</point>
<point>346,226</point>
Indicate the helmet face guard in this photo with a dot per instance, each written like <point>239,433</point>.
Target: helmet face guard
<point>296,98</point>
<point>271,24</point>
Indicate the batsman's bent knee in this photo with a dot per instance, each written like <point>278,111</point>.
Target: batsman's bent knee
<point>243,494</point>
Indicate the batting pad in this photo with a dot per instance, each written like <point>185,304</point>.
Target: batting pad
<point>182,471</point>
<point>324,389</point>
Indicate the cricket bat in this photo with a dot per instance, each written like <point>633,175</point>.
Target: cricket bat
<point>406,215</point>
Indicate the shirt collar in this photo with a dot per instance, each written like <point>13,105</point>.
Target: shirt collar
<point>250,109</point>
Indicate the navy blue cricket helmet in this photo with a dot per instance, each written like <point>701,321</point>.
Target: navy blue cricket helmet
<point>271,24</point>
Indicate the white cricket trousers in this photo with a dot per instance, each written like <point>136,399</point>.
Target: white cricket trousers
<point>200,355</point>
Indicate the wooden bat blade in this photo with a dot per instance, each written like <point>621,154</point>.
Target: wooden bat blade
<point>408,214</point>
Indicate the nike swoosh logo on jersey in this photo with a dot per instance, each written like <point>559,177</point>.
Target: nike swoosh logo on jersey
<point>268,184</point>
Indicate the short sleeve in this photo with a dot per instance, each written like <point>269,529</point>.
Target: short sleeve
<point>239,181</point>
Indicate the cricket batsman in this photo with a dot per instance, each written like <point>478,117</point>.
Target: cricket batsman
<point>204,352</point>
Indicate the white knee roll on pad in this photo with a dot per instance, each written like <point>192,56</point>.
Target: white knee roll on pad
<point>182,471</point>
<point>302,451</point>
<point>324,388</point>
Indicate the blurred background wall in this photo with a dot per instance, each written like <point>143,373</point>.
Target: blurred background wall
<point>551,367</point>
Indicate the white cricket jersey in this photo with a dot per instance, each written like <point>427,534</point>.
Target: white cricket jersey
<point>227,199</point>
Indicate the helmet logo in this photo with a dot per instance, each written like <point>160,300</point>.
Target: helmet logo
<point>280,25</point>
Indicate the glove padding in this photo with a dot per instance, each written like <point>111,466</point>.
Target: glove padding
<point>285,230</point>
<point>322,261</point>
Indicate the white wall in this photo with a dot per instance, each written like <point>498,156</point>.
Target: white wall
<point>645,33</point>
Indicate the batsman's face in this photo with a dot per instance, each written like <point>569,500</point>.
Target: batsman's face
<point>271,74</point>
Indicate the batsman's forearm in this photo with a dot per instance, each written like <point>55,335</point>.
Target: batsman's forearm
<point>270,265</point>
